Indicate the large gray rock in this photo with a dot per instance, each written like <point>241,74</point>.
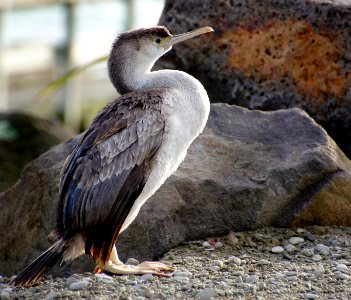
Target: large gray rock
<point>247,170</point>
<point>270,55</point>
<point>23,138</point>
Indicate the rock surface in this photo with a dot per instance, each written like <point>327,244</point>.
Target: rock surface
<point>270,55</point>
<point>249,169</point>
<point>22,139</point>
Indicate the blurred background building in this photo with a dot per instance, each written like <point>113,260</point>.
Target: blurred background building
<point>42,39</point>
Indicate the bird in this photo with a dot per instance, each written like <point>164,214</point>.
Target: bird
<point>130,148</point>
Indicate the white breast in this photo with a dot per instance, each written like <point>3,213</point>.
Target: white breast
<point>186,112</point>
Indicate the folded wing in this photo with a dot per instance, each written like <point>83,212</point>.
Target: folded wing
<point>108,169</point>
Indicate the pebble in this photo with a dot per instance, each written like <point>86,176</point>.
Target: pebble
<point>308,235</point>
<point>275,241</point>
<point>290,248</point>
<point>318,272</point>
<point>263,262</point>
<point>316,257</point>
<point>180,279</point>
<point>307,252</point>
<point>205,294</point>
<point>342,276</point>
<point>232,239</point>
<point>296,240</point>
<point>182,274</point>
<point>286,256</point>
<point>310,296</point>
<point>51,295</point>
<point>146,277</point>
<point>206,245</point>
<point>218,245</point>
<point>4,295</point>
<point>78,285</point>
<point>1,279</point>
<point>234,260</point>
<point>132,261</point>
<point>218,263</point>
<point>322,249</point>
<point>342,268</point>
<point>252,279</point>
<point>101,277</point>
<point>277,249</point>
<point>291,273</point>
<point>291,278</point>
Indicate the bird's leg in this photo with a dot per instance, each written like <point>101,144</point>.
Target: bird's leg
<point>115,266</point>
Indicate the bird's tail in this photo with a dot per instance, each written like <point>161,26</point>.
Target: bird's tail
<point>38,268</point>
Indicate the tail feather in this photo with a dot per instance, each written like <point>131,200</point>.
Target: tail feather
<point>38,268</point>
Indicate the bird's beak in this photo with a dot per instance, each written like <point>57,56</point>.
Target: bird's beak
<point>185,36</point>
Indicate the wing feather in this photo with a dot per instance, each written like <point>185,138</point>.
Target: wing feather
<point>108,168</point>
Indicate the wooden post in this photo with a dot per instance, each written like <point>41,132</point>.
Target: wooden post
<point>3,75</point>
<point>131,13</point>
<point>72,92</point>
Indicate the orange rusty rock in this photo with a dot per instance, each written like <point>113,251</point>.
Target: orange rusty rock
<point>289,48</point>
<point>331,206</point>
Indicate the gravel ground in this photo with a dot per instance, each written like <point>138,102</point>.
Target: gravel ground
<point>270,263</point>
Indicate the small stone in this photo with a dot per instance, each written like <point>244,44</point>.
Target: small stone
<point>342,276</point>
<point>101,277</point>
<point>180,279</point>
<point>4,295</point>
<point>27,294</point>
<point>310,296</point>
<point>291,278</point>
<point>1,279</point>
<point>263,262</point>
<point>250,242</point>
<point>232,239</point>
<point>218,263</point>
<point>290,248</point>
<point>182,274</point>
<point>296,240</point>
<point>218,245</point>
<point>205,294</point>
<point>234,260</point>
<point>51,295</point>
<point>319,229</point>
<point>308,235</point>
<point>318,272</point>
<point>291,273</point>
<point>78,285</point>
<point>252,279</point>
<point>206,245</point>
<point>286,256</point>
<point>275,241</point>
<point>147,277</point>
<point>316,257</point>
<point>132,261</point>
<point>342,268</point>
<point>277,249</point>
<point>307,252</point>
<point>322,249</point>
<point>261,286</point>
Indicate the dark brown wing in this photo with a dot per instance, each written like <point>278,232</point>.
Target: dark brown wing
<point>108,168</point>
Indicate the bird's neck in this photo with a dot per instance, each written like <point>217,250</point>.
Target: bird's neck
<point>129,73</point>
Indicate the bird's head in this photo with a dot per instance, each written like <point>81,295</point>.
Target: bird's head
<point>139,49</point>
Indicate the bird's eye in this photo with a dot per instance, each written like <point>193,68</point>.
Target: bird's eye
<point>158,41</point>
